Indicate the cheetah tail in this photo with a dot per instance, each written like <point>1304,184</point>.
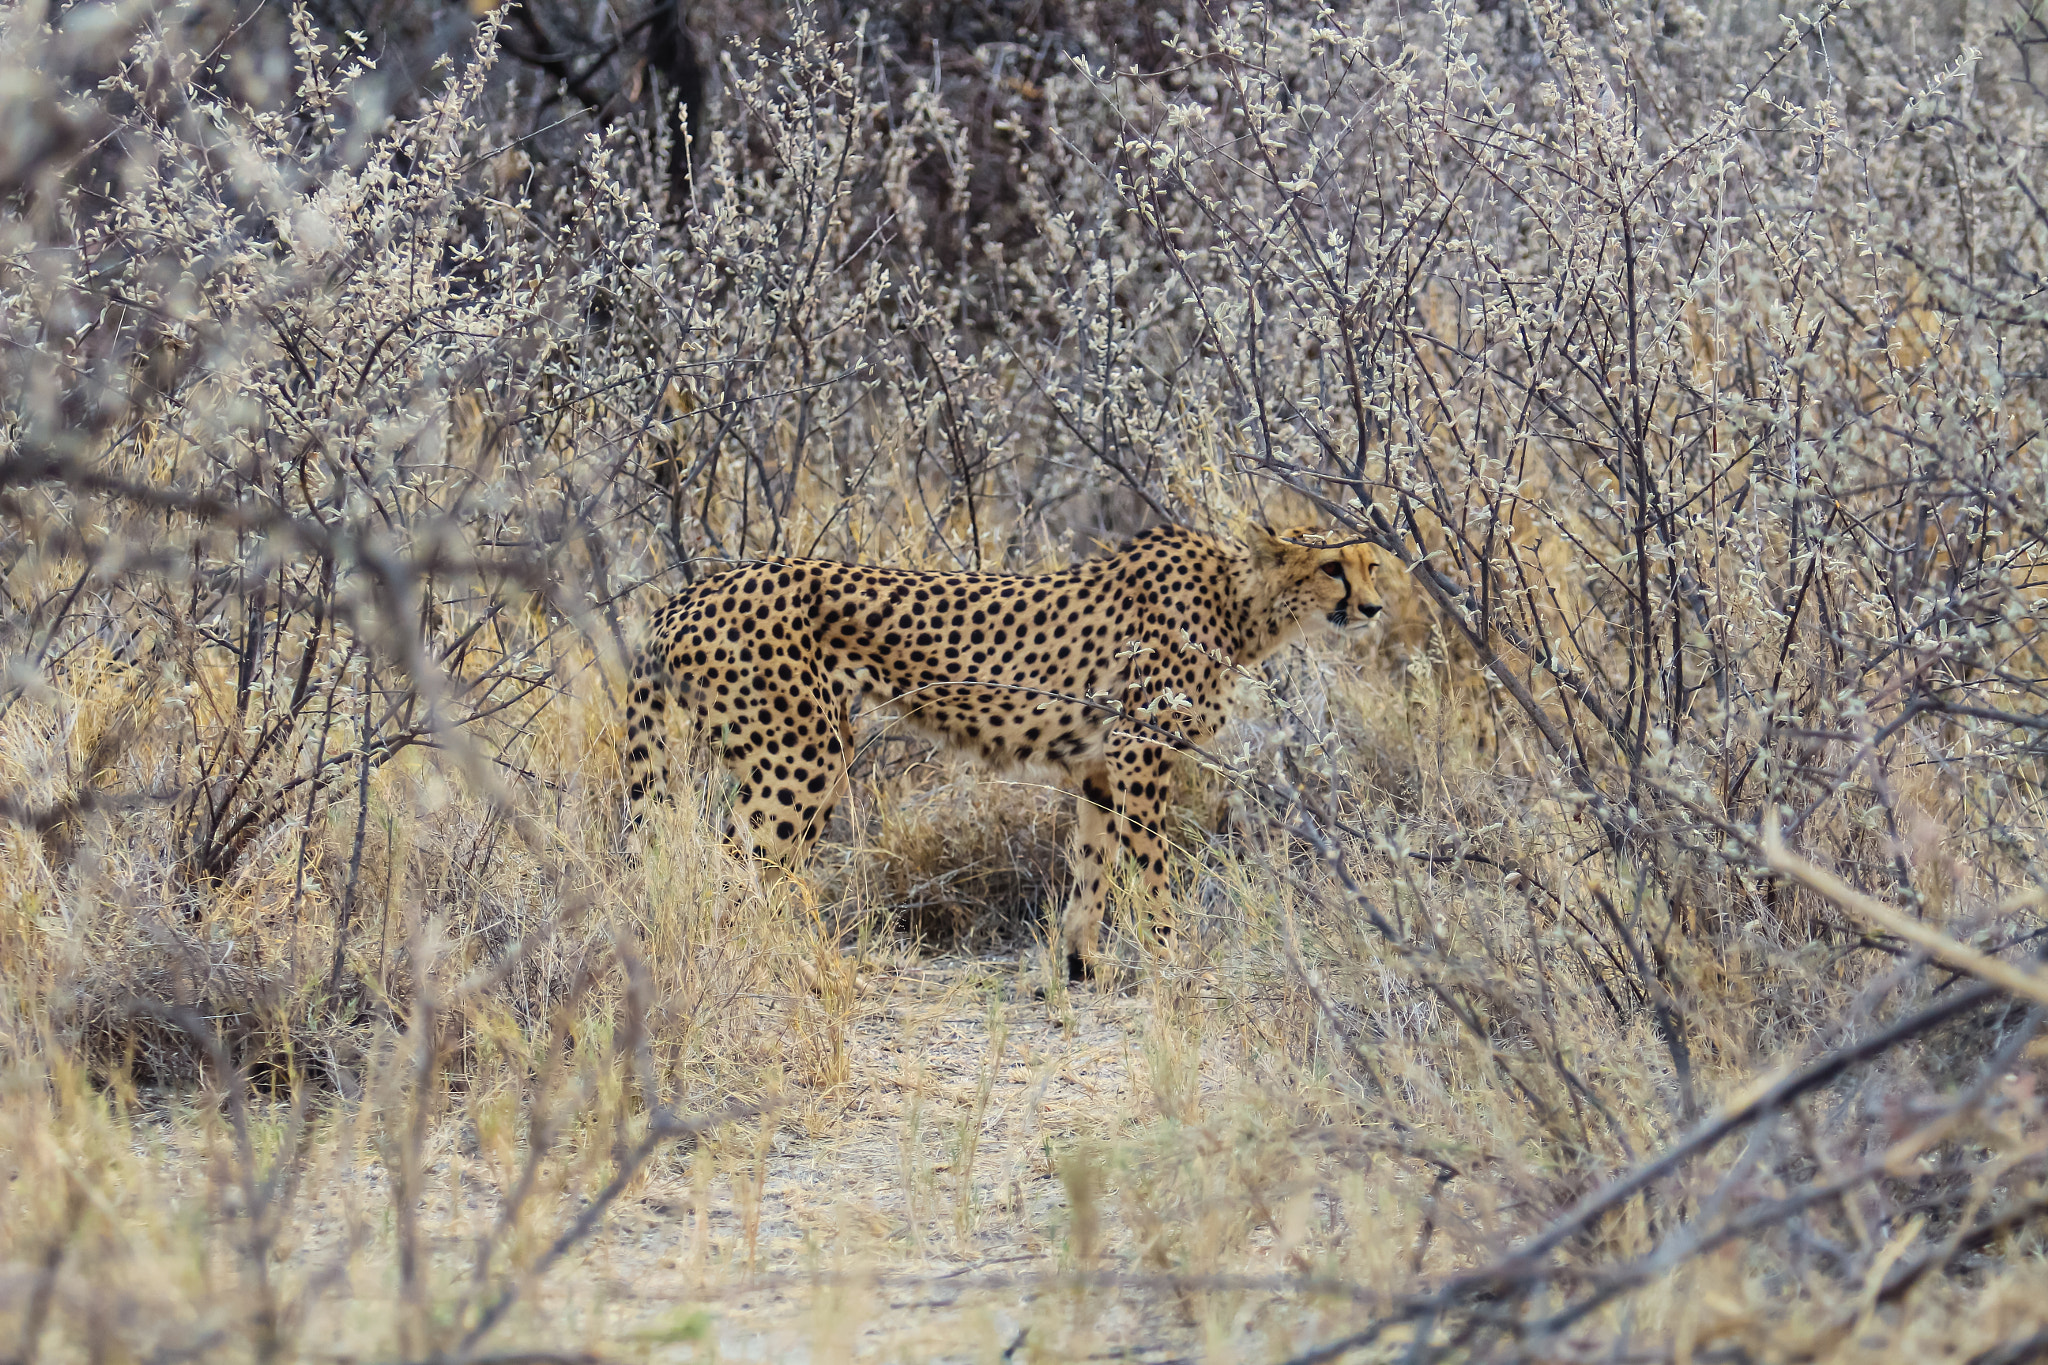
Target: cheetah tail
<point>649,700</point>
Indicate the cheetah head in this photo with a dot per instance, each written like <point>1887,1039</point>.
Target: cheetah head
<point>1312,575</point>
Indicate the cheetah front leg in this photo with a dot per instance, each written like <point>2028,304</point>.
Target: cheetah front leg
<point>1117,813</point>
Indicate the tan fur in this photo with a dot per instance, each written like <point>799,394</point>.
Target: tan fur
<point>1103,670</point>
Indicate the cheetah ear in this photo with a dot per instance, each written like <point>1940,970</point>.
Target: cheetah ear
<point>1267,548</point>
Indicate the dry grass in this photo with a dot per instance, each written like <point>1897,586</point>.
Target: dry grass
<point>962,1154</point>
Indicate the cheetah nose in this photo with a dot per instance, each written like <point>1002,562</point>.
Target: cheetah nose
<point>1369,610</point>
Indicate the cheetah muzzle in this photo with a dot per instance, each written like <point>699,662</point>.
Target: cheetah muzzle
<point>1104,670</point>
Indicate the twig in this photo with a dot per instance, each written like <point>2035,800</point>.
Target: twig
<point>1937,945</point>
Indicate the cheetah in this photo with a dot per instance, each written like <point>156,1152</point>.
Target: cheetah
<point>1103,671</point>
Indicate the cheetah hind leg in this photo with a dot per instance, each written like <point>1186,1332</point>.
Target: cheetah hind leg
<point>791,778</point>
<point>1141,785</point>
<point>1090,858</point>
<point>1115,816</point>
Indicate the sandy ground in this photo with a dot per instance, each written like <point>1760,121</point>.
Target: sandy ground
<point>929,1218</point>
<point>971,1191</point>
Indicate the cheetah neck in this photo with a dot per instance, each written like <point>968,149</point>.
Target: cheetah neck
<point>1265,627</point>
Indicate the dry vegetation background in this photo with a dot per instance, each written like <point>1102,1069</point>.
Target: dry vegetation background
<point>1629,957</point>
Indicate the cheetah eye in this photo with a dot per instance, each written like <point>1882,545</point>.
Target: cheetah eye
<point>1334,569</point>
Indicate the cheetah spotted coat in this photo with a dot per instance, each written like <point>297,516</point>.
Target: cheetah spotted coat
<point>1102,670</point>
